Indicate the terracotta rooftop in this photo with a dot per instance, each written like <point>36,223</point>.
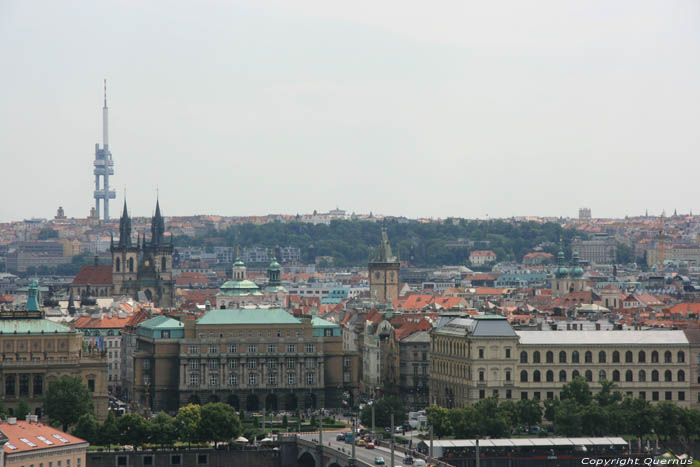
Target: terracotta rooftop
<point>94,275</point>
<point>25,436</point>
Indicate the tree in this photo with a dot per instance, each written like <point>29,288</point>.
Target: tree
<point>668,420</point>
<point>438,418</point>
<point>567,417</point>
<point>578,390</point>
<point>87,428</point>
<point>187,422</point>
<point>67,398</point>
<point>529,412</point>
<point>133,429</point>
<point>383,408</point>
<point>219,422</point>
<point>607,396</point>
<point>22,409</point>
<point>162,429</point>
<point>3,410</point>
<point>108,432</point>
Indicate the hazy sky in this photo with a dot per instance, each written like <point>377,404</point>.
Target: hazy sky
<point>446,108</point>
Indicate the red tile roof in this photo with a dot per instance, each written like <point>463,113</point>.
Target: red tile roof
<point>31,432</point>
<point>94,275</point>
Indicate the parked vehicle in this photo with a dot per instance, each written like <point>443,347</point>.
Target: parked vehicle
<point>379,460</point>
<point>360,442</point>
<point>408,460</point>
<point>369,445</point>
<point>340,437</point>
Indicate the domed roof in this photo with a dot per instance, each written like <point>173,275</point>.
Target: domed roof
<point>239,285</point>
<point>561,271</point>
<point>239,263</point>
<point>274,265</point>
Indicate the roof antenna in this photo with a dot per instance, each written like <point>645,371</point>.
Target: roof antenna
<point>105,92</point>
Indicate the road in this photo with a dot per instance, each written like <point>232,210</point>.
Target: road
<point>361,453</point>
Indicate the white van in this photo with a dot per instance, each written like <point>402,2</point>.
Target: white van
<point>418,463</point>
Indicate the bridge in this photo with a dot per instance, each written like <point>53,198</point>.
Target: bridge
<point>297,451</point>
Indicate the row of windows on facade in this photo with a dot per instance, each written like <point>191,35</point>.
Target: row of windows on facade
<point>58,463</point>
<point>252,379</point>
<point>668,395</point>
<point>33,359</point>
<point>252,333</point>
<point>253,348</point>
<point>251,363</point>
<point>602,357</point>
<point>602,375</point>
<point>149,459</point>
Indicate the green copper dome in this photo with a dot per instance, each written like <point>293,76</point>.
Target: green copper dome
<point>274,265</point>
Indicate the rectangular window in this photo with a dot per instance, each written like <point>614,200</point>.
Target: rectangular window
<point>509,394</point>
<point>655,395</point>
<point>252,348</point>
<point>310,363</point>
<point>310,378</point>
<point>482,394</point>
<point>213,364</point>
<point>233,380</point>
<point>202,459</point>
<point>121,460</point>
<point>91,385</point>
<point>272,379</point>
<point>194,349</point>
<point>271,348</point>
<point>214,379</point>
<point>146,378</point>
<point>310,348</point>
<point>507,352</point>
<point>232,364</point>
<point>213,349</point>
<point>252,364</point>
<point>233,348</point>
<point>523,395</point>
<point>495,393</point>
<point>642,395</point>
<point>175,459</point>
<point>271,364</point>
<point>194,380</point>
<point>669,396</point>
<point>194,364</point>
<point>346,362</point>
<point>536,395</point>
<point>147,460</point>
<point>290,363</point>
<point>291,348</point>
<point>681,395</point>
<point>252,379</point>
<point>346,379</point>
<point>291,378</point>
<point>481,353</point>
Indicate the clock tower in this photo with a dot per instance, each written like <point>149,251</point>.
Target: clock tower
<point>384,273</point>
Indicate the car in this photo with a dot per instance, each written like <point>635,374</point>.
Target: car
<point>379,460</point>
<point>369,445</point>
<point>340,437</point>
<point>360,442</point>
<point>398,429</point>
<point>408,460</point>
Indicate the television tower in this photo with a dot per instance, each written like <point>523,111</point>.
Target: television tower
<point>104,166</point>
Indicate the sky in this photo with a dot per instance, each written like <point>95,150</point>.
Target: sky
<point>408,108</point>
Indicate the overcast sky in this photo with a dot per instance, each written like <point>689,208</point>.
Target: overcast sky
<point>446,108</point>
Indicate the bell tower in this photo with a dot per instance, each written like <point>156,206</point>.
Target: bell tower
<point>384,272</point>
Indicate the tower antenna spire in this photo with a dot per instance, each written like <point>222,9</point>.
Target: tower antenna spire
<point>105,93</point>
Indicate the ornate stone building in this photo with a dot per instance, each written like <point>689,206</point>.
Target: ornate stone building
<point>384,273</point>
<point>36,351</point>
<point>567,280</point>
<point>145,267</point>
<point>251,359</point>
<point>474,358</point>
<point>240,292</point>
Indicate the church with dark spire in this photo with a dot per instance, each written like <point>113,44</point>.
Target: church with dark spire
<point>143,270</point>
<point>384,273</point>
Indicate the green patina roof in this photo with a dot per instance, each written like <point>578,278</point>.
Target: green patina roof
<point>32,326</point>
<point>161,322</point>
<point>322,323</point>
<point>256,316</point>
<point>245,284</point>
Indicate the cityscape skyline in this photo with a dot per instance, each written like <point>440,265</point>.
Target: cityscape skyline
<point>496,112</point>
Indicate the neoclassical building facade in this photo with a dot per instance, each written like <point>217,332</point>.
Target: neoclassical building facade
<point>475,358</point>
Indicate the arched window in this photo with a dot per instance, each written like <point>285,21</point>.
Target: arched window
<point>575,374</point>
<point>118,265</point>
<point>550,376</point>
<point>668,376</point>
<point>536,356</point>
<point>536,376</point>
<point>523,376</point>
<point>562,357</point>
<point>628,356</point>
<point>642,357</point>
<point>668,357</point>
<point>642,376</point>
<point>562,375</point>
<point>601,356</point>
<point>681,375</point>
<point>523,357</point>
<point>588,357</point>
<point>574,356</point>
<point>601,375</point>
<point>655,357</point>
<point>131,264</point>
<point>628,376</point>
<point>616,375</point>
<point>616,357</point>
<point>550,357</point>
<point>163,264</point>
<point>681,356</point>
<point>589,376</point>
<point>655,376</point>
